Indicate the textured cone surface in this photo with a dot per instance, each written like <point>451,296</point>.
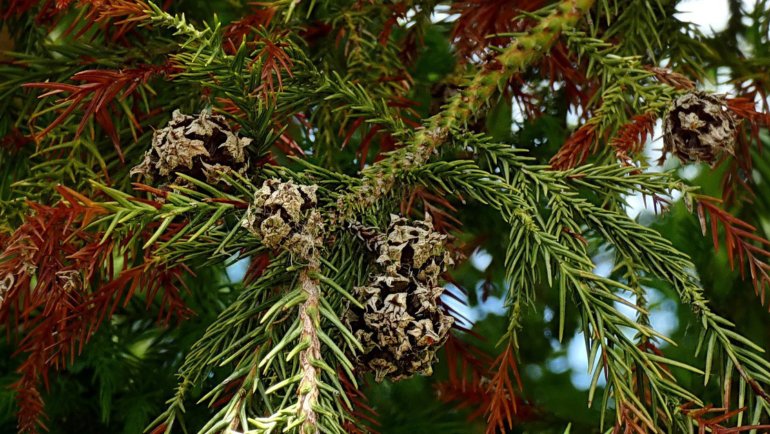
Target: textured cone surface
<point>699,127</point>
<point>402,324</point>
<point>413,248</point>
<point>284,215</point>
<point>201,146</point>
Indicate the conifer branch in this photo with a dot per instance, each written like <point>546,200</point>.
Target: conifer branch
<point>242,78</point>
<point>620,77</point>
<point>467,103</point>
<point>636,243</point>
<point>656,255</point>
<point>523,51</point>
<point>97,96</point>
<point>309,318</point>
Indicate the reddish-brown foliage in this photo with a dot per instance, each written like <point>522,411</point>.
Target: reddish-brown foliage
<point>744,248</point>
<point>46,9</point>
<point>242,30</point>
<point>96,96</point>
<point>289,146</point>
<point>364,415</point>
<point>629,140</point>
<point>116,17</point>
<point>486,24</point>
<point>257,266</point>
<point>745,108</point>
<point>671,78</point>
<point>412,40</point>
<point>714,424</point>
<point>271,57</point>
<point>14,141</point>
<point>466,386</point>
<point>387,144</point>
<point>561,65</point>
<point>398,12</point>
<point>631,137</point>
<point>736,181</point>
<point>58,287</point>
<point>480,21</point>
<point>160,429</point>
<point>577,148</point>
<point>632,420</point>
<point>370,131</point>
<point>274,62</point>
<point>434,204</point>
<point>502,388</point>
<point>489,387</point>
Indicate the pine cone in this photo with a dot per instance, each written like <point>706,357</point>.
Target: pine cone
<point>402,324</point>
<point>201,147</point>
<point>414,249</point>
<point>284,214</point>
<point>698,128</point>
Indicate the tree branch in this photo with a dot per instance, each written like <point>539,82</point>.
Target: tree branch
<point>309,319</point>
<point>380,178</point>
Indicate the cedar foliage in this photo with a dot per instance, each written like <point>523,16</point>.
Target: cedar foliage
<point>118,300</point>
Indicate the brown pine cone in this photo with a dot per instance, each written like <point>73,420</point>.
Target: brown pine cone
<point>699,127</point>
<point>201,146</point>
<point>413,248</point>
<point>402,324</point>
<point>284,215</point>
<point>401,327</point>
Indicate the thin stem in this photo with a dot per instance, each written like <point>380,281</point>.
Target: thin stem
<point>309,319</point>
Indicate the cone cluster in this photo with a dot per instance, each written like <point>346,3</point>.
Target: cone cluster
<point>402,324</point>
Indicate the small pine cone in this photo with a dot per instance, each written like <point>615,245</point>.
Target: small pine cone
<point>284,214</point>
<point>413,248</point>
<point>402,324</point>
<point>201,146</point>
<point>698,127</point>
<point>400,327</point>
